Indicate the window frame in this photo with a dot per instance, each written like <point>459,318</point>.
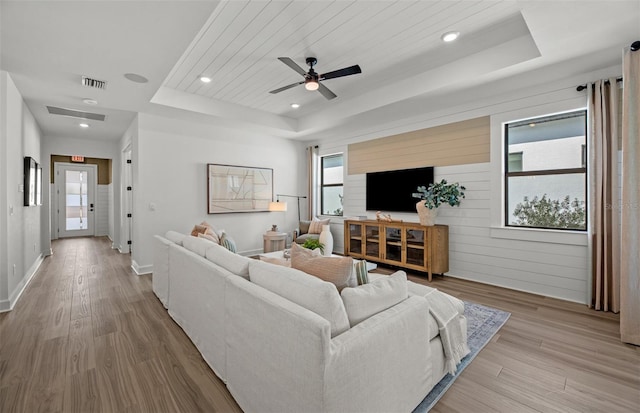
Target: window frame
<point>563,171</point>
<point>323,185</point>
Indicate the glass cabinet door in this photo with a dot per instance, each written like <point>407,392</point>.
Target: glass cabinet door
<point>355,239</point>
<point>372,241</point>
<point>416,246</point>
<point>393,244</point>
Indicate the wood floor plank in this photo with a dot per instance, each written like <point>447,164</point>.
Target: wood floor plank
<point>81,355</point>
<point>89,335</point>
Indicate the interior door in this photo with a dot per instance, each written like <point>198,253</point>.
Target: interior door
<point>76,189</point>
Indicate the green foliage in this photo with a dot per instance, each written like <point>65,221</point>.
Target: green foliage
<point>551,213</point>
<point>440,193</point>
<point>339,210</point>
<point>312,244</point>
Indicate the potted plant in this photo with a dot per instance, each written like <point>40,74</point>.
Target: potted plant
<point>312,244</point>
<point>435,195</point>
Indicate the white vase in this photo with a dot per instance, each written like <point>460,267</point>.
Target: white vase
<point>427,216</point>
<point>326,239</point>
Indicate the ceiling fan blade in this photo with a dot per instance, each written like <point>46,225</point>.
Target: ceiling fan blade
<point>352,70</point>
<point>326,92</point>
<point>287,61</point>
<point>283,88</point>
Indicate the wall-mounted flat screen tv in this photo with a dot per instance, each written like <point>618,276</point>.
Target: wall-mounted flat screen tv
<point>391,190</point>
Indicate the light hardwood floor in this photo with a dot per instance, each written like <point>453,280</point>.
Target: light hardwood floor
<point>88,335</point>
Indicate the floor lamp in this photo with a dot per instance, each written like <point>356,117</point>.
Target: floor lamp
<point>282,206</point>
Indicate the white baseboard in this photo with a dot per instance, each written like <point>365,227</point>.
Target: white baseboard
<point>141,269</point>
<point>7,305</point>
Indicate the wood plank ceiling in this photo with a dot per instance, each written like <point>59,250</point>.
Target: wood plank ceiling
<point>239,46</point>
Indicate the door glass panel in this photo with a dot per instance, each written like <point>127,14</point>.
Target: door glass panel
<point>76,197</point>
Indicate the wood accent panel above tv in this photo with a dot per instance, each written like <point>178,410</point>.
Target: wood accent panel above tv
<point>457,143</point>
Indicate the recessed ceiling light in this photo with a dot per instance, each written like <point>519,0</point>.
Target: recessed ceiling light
<point>450,36</point>
<point>205,79</point>
<point>134,77</point>
<point>532,125</point>
<point>84,125</point>
<point>295,105</point>
<point>90,101</point>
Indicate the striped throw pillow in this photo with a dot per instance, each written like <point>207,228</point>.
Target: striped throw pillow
<point>316,225</point>
<point>228,243</point>
<point>362,276</point>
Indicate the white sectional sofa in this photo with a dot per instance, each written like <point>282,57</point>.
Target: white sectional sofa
<point>277,337</point>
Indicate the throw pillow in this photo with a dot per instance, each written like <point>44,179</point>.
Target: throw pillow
<point>211,231</point>
<point>309,292</point>
<point>208,237</point>
<point>362,275</point>
<point>304,227</point>
<point>316,225</point>
<point>367,300</point>
<point>228,242</point>
<point>198,229</point>
<point>336,270</point>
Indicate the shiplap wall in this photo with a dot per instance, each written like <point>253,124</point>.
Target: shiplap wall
<point>451,144</point>
<point>550,263</point>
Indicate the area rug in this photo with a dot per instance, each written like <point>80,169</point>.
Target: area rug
<point>482,324</point>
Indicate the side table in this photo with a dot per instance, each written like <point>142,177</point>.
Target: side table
<point>274,241</point>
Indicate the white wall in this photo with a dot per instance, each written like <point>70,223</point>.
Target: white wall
<point>21,231</point>
<point>91,149</point>
<point>550,263</point>
<point>170,185</point>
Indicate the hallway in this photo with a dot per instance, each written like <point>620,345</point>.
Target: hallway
<point>88,335</point>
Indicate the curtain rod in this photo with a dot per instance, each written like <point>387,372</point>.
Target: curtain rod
<point>606,82</point>
<point>634,46</point>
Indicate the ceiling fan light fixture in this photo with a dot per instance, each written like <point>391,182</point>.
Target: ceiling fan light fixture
<point>450,36</point>
<point>311,84</point>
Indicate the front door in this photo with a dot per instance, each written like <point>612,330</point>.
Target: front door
<point>76,188</point>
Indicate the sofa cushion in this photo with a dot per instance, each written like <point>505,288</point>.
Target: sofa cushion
<point>367,300</point>
<point>175,237</point>
<point>336,270</point>
<point>231,262</point>
<point>317,224</point>
<point>197,245</point>
<point>307,291</point>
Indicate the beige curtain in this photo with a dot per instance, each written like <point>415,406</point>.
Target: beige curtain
<point>312,173</point>
<point>604,201</point>
<point>630,253</point>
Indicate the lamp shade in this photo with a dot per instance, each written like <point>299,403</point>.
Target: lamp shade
<point>277,206</point>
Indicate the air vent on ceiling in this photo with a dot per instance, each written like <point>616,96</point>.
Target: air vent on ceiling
<point>95,83</point>
<point>75,113</point>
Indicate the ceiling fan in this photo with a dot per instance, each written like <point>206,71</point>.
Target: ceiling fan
<point>312,79</point>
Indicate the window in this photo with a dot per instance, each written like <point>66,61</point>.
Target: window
<point>331,183</point>
<point>546,172</point>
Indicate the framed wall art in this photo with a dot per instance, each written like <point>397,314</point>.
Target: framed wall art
<point>232,188</point>
<point>30,167</point>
